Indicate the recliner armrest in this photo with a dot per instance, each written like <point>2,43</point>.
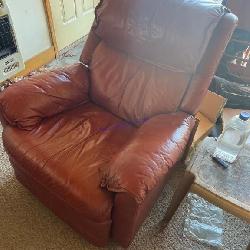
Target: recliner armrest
<point>157,145</point>
<point>27,102</point>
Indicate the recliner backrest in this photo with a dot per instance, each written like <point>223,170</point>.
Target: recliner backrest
<point>154,57</point>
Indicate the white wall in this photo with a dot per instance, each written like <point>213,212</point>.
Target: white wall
<point>30,25</point>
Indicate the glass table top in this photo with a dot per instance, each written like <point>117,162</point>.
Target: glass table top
<point>232,184</point>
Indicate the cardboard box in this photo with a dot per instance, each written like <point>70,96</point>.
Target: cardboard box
<point>210,109</point>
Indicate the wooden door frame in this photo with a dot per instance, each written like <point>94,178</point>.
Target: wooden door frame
<point>51,25</point>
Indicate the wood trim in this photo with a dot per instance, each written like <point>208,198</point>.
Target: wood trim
<point>51,25</point>
<point>181,191</point>
<point>220,202</point>
<point>37,61</point>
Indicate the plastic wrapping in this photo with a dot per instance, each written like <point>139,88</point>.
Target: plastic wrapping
<point>204,222</point>
<point>247,144</point>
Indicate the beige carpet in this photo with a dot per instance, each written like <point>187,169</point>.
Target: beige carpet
<point>25,224</point>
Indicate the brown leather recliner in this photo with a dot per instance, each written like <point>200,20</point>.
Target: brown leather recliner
<point>241,8</point>
<point>96,141</point>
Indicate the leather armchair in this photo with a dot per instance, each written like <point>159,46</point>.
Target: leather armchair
<point>96,144</point>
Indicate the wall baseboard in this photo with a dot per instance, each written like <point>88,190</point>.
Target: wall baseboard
<point>38,61</point>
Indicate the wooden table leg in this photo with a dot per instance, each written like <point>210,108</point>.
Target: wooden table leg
<point>181,191</point>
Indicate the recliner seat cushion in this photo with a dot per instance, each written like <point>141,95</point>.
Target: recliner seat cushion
<point>66,154</point>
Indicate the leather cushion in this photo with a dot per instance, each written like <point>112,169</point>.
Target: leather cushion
<point>172,34</point>
<point>66,153</point>
<point>155,148</point>
<point>132,89</point>
<point>26,103</point>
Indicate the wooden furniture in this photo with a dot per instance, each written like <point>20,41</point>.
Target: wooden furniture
<point>225,188</point>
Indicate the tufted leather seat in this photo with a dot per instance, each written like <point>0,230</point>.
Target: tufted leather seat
<point>96,144</point>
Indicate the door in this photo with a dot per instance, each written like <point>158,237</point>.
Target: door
<point>71,20</point>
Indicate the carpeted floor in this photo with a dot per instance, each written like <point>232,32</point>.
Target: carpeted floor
<point>25,224</point>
